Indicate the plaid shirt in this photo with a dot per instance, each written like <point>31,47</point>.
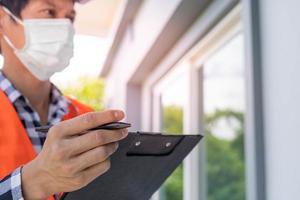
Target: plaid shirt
<point>10,186</point>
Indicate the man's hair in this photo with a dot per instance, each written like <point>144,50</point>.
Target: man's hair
<point>15,6</point>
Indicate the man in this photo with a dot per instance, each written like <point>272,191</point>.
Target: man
<point>36,42</point>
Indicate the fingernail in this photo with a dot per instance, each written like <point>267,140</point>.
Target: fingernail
<point>116,113</point>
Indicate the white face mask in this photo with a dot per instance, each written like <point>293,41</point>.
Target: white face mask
<point>48,45</point>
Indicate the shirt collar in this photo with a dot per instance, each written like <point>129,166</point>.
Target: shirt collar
<point>8,88</point>
<point>58,101</point>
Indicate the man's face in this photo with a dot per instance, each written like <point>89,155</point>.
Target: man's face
<point>36,9</point>
<point>49,9</point>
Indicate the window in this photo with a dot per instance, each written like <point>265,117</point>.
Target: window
<point>224,108</point>
<point>172,122</point>
<point>172,92</point>
<point>205,91</point>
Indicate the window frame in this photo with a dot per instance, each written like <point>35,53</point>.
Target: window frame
<point>195,188</point>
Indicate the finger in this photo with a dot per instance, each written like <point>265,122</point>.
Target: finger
<point>95,156</point>
<point>99,169</point>
<point>87,121</point>
<point>93,139</point>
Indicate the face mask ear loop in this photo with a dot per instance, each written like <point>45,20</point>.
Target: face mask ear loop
<point>18,21</point>
<point>12,15</point>
<point>9,42</point>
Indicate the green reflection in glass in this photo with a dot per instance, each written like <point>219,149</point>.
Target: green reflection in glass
<point>224,108</point>
<point>225,164</point>
<point>173,123</point>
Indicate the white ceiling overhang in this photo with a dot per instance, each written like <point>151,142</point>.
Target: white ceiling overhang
<point>96,17</point>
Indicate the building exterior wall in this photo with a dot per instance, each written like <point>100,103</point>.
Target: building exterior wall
<point>140,35</point>
<point>137,40</point>
<point>280,46</point>
<point>280,41</point>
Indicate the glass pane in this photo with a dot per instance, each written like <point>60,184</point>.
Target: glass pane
<point>224,108</point>
<point>172,123</point>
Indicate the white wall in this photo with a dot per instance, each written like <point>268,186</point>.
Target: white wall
<point>280,37</point>
<point>138,39</point>
<point>280,27</point>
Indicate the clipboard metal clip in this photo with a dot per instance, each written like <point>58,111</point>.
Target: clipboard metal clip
<point>153,145</point>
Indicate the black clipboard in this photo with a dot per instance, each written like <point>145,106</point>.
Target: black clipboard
<point>139,167</point>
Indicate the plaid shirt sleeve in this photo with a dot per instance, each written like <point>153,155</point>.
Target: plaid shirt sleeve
<point>10,186</point>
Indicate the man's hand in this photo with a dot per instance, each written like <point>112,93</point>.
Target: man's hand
<point>72,157</point>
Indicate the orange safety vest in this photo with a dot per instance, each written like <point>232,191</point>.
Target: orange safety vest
<point>16,148</point>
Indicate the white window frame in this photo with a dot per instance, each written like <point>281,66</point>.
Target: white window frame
<point>194,164</point>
